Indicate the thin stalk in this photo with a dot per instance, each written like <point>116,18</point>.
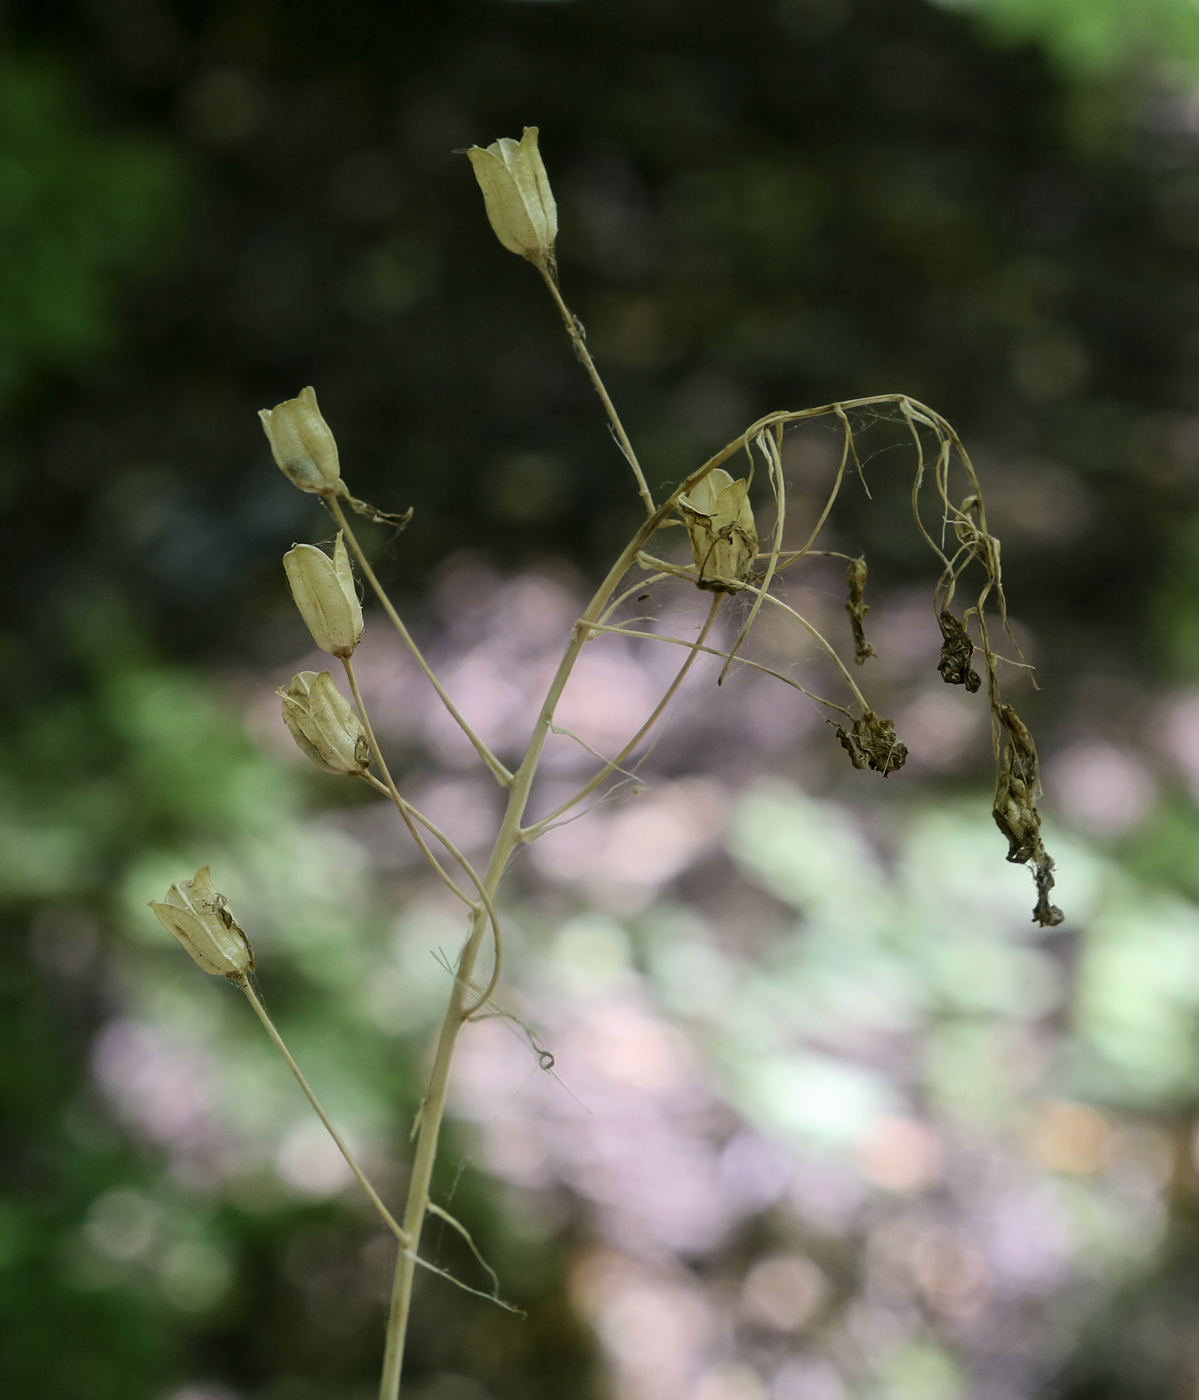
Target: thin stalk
<point>503,776</point>
<point>393,791</point>
<point>610,766</point>
<point>402,807</point>
<point>261,1012</point>
<point>575,331</point>
<point>716,651</point>
<point>778,603</point>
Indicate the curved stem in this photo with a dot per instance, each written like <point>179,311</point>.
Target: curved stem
<point>408,813</point>
<point>501,773</point>
<point>610,766</point>
<point>393,791</point>
<point>716,651</point>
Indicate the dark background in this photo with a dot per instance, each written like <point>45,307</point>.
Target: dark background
<point>204,207</point>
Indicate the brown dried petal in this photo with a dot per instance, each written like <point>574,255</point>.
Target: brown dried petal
<point>957,653</point>
<point>871,743</point>
<point>1016,814</point>
<point>857,607</point>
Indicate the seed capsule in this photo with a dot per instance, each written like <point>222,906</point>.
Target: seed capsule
<point>324,725</point>
<point>720,522</point>
<point>325,594</point>
<point>198,915</point>
<point>303,445</point>
<point>516,191</point>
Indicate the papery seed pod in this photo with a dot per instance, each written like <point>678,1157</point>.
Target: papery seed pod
<point>325,593</point>
<point>198,915</point>
<point>516,191</point>
<point>303,445</point>
<point>720,523</point>
<point>324,725</point>
<point>871,742</point>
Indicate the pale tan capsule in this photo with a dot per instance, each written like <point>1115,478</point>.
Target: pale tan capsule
<point>516,191</point>
<point>324,725</point>
<point>198,915</point>
<point>326,596</point>
<point>720,522</point>
<point>303,445</point>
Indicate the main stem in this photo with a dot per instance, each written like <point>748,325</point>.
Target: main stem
<point>509,838</point>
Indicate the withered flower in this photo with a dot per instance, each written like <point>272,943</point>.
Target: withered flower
<point>1016,789</point>
<point>516,191</point>
<point>303,445</point>
<point>198,915</point>
<point>857,607</point>
<point>324,725</point>
<point>325,594</point>
<point>957,653</point>
<point>720,523</point>
<point>871,742</point>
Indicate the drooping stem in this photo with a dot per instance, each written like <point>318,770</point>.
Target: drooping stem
<point>575,331</point>
<point>501,773</point>
<point>261,1012</point>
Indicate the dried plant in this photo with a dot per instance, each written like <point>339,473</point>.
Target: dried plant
<point>716,512</point>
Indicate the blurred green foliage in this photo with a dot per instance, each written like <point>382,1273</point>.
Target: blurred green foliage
<point>1096,38</point>
<point>80,209</point>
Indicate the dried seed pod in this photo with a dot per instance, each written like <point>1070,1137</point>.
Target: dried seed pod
<point>516,191</point>
<point>871,742</point>
<point>1016,789</point>
<point>303,445</point>
<point>325,594</point>
<point>324,725</point>
<point>957,652</point>
<point>198,915</point>
<point>720,523</point>
<point>857,607</point>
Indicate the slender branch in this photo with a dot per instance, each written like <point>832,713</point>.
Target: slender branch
<point>408,813</point>
<point>393,791</point>
<point>716,651</point>
<point>611,765</point>
<point>261,1012</point>
<point>503,776</point>
<point>575,331</point>
<point>825,644</point>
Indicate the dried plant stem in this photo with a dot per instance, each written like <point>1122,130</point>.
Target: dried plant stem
<point>408,814</point>
<point>457,1012</point>
<point>716,651</point>
<point>575,331</point>
<point>501,773</point>
<point>261,1012</point>
<point>823,641</point>
<point>612,765</point>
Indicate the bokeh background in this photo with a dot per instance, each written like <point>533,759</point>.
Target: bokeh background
<point>829,1118</point>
